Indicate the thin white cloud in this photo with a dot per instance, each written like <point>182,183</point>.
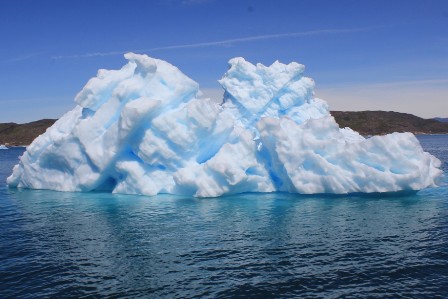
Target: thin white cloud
<point>226,42</point>
<point>22,57</point>
<point>184,2</point>
<point>256,38</point>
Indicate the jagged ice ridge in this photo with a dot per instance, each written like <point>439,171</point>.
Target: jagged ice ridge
<point>145,129</point>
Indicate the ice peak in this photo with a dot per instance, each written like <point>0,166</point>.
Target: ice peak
<point>145,64</point>
<point>276,90</point>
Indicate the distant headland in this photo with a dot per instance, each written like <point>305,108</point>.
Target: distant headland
<point>12,134</point>
<point>364,122</point>
<point>385,122</point>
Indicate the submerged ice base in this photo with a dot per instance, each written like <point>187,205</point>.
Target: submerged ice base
<point>144,129</point>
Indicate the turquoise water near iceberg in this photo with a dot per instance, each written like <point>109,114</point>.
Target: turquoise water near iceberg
<point>83,245</point>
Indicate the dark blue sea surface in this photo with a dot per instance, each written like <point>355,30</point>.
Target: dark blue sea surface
<point>56,244</point>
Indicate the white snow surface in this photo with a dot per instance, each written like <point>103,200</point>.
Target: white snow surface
<point>144,129</point>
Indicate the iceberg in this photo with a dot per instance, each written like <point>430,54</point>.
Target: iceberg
<point>3,147</point>
<point>146,129</point>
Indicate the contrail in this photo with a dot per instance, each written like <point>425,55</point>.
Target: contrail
<point>223,42</point>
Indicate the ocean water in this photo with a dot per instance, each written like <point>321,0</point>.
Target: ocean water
<point>78,245</point>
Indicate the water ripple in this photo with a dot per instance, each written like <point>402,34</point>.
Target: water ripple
<point>55,244</point>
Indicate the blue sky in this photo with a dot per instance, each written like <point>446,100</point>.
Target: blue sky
<point>363,55</point>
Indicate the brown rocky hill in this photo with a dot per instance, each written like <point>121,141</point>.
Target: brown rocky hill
<point>23,134</point>
<point>365,122</point>
<point>384,122</point>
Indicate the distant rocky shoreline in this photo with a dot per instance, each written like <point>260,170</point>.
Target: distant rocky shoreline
<point>385,122</point>
<point>12,134</point>
<point>365,122</point>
